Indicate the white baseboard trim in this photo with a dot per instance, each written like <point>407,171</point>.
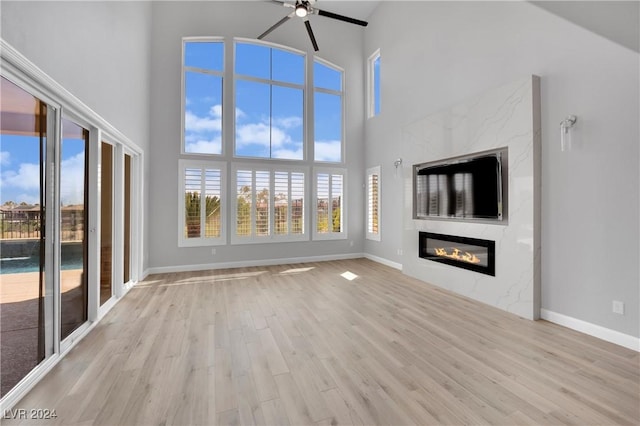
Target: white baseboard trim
<point>594,330</point>
<point>250,263</point>
<point>384,261</point>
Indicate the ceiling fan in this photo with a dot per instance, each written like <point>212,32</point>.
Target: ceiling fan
<point>304,8</point>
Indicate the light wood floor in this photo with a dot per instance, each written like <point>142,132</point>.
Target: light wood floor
<point>303,345</point>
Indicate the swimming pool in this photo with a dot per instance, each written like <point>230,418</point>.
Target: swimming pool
<point>21,265</point>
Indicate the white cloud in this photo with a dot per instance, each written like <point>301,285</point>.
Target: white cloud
<point>72,180</point>
<point>201,146</point>
<point>328,151</point>
<point>212,122</point>
<point>5,158</point>
<point>261,134</point>
<point>216,111</point>
<point>27,177</point>
<point>288,122</point>
<point>288,154</point>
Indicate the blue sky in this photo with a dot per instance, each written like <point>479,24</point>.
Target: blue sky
<point>20,170</point>
<point>268,118</point>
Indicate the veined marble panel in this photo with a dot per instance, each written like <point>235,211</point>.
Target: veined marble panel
<point>508,116</point>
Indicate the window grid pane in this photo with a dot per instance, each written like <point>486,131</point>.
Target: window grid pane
<point>322,203</point>
<point>372,214</point>
<point>192,189</point>
<point>204,55</point>
<point>328,127</point>
<point>202,113</point>
<point>213,187</point>
<point>376,86</point>
<point>336,204</point>
<point>297,203</point>
<point>281,203</point>
<point>244,179</point>
<point>262,203</point>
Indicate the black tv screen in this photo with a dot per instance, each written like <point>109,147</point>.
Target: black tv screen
<point>469,187</point>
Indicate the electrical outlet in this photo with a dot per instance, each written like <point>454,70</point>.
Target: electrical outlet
<point>618,307</point>
<point>350,243</point>
<point>213,251</point>
<point>399,251</point>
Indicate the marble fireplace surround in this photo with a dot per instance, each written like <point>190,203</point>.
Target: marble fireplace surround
<point>508,116</point>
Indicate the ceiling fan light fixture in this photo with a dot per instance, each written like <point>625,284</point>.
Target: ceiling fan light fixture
<point>301,10</point>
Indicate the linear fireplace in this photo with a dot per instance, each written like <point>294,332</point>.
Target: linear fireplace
<point>463,252</point>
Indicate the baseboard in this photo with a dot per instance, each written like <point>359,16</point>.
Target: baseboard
<point>594,330</point>
<point>250,263</point>
<point>384,261</point>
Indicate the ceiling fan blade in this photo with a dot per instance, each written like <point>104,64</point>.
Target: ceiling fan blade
<point>311,36</point>
<point>283,3</point>
<point>276,25</point>
<point>340,17</point>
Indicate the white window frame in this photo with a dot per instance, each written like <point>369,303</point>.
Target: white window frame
<point>183,93</point>
<point>202,240</point>
<point>271,238</point>
<point>340,93</point>
<point>371,97</point>
<point>343,209</point>
<point>271,82</point>
<point>370,235</point>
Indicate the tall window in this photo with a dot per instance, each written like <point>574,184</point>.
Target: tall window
<point>373,77</point>
<point>269,111</point>
<point>328,121</point>
<point>269,204</point>
<point>203,70</point>
<point>266,91</point>
<point>373,203</point>
<point>201,203</point>
<point>329,209</point>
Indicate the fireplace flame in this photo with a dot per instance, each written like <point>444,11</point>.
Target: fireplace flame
<point>458,255</point>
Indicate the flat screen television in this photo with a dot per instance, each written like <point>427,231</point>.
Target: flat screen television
<point>470,187</point>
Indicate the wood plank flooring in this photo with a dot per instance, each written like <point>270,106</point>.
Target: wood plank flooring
<point>301,345</point>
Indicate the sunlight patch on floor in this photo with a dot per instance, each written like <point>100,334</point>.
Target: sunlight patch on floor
<point>296,270</point>
<point>349,276</point>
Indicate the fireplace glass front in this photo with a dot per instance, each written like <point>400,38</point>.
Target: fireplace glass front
<point>469,253</point>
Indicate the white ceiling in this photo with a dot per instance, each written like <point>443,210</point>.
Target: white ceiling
<point>359,9</point>
<point>618,21</point>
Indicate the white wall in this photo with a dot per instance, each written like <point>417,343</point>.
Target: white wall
<point>435,54</point>
<point>98,51</point>
<point>340,43</point>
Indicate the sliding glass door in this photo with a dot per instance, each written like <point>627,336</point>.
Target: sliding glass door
<point>24,135</point>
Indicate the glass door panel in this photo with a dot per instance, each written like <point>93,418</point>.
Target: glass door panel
<point>127,219</point>
<point>23,139</point>
<point>106,223</point>
<point>73,232</point>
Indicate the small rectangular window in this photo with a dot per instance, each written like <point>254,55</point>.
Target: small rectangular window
<point>373,77</point>
<point>201,203</point>
<point>330,216</point>
<point>328,112</point>
<point>373,203</point>
<point>202,77</point>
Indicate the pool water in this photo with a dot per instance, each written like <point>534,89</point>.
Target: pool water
<point>21,265</point>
